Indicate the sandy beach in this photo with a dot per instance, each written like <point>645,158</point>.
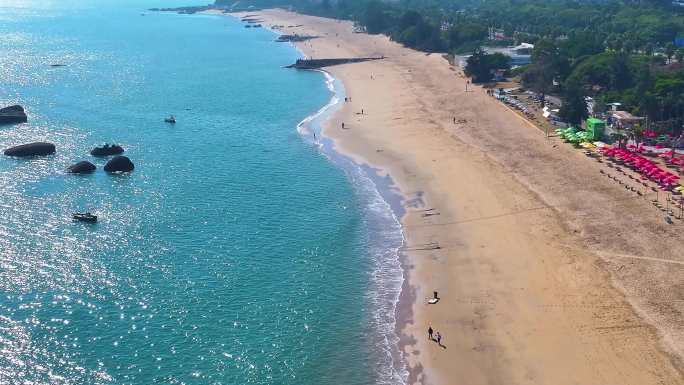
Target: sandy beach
<point>547,272</point>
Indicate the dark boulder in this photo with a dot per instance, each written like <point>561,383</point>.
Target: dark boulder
<point>31,149</point>
<point>119,163</point>
<point>13,114</point>
<point>82,167</point>
<point>106,150</point>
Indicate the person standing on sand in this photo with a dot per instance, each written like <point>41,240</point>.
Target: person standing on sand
<point>343,125</point>
<point>439,339</point>
<point>430,332</point>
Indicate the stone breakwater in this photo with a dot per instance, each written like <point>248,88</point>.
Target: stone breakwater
<point>310,64</point>
<point>294,38</point>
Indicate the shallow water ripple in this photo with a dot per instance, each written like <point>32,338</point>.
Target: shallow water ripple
<point>234,253</point>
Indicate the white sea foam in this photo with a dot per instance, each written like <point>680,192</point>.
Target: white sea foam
<point>305,127</point>
<point>385,238</point>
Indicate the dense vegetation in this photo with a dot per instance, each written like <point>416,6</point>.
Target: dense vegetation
<point>614,50</point>
<point>481,66</point>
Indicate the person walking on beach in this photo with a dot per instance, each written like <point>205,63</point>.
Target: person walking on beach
<point>430,332</point>
<point>439,339</point>
<point>343,125</point>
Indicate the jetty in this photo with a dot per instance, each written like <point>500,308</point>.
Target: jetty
<point>312,64</point>
<point>294,38</point>
<point>188,10</point>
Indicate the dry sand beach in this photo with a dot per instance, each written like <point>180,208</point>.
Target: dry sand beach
<point>547,273</point>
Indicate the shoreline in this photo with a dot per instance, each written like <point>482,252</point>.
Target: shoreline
<point>520,273</point>
<point>386,190</point>
<point>389,192</point>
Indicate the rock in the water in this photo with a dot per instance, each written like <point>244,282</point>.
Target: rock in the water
<point>119,163</point>
<point>82,167</point>
<point>113,149</point>
<point>31,149</point>
<point>13,114</point>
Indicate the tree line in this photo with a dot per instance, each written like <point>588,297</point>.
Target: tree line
<point>613,50</point>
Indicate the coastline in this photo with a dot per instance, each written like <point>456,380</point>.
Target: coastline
<point>300,326</point>
<point>516,273</point>
<point>382,184</point>
<point>372,190</point>
<point>377,192</point>
<point>379,196</point>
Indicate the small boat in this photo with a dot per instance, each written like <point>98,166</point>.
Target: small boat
<point>171,119</point>
<point>85,217</point>
<point>107,149</point>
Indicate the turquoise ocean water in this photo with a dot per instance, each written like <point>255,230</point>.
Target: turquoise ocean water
<point>237,252</point>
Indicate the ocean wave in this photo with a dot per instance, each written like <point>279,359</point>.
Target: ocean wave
<point>385,239</point>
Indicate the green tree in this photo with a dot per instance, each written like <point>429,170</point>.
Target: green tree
<point>574,107</point>
<point>649,106</point>
<point>648,49</point>
<point>547,65</point>
<point>581,44</point>
<point>670,50</point>
<point>637,133</point>
<point>410,19</point>
<point>374,18</point>
<point>614,42</point>
<point>465,34</point>
<point>414,30</point>
<point>620,75</point>
<point>679,55</point>
<point>481,65</point>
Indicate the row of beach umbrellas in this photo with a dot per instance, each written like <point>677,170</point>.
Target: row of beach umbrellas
<point>670,156</point>
<point>646,167</point>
